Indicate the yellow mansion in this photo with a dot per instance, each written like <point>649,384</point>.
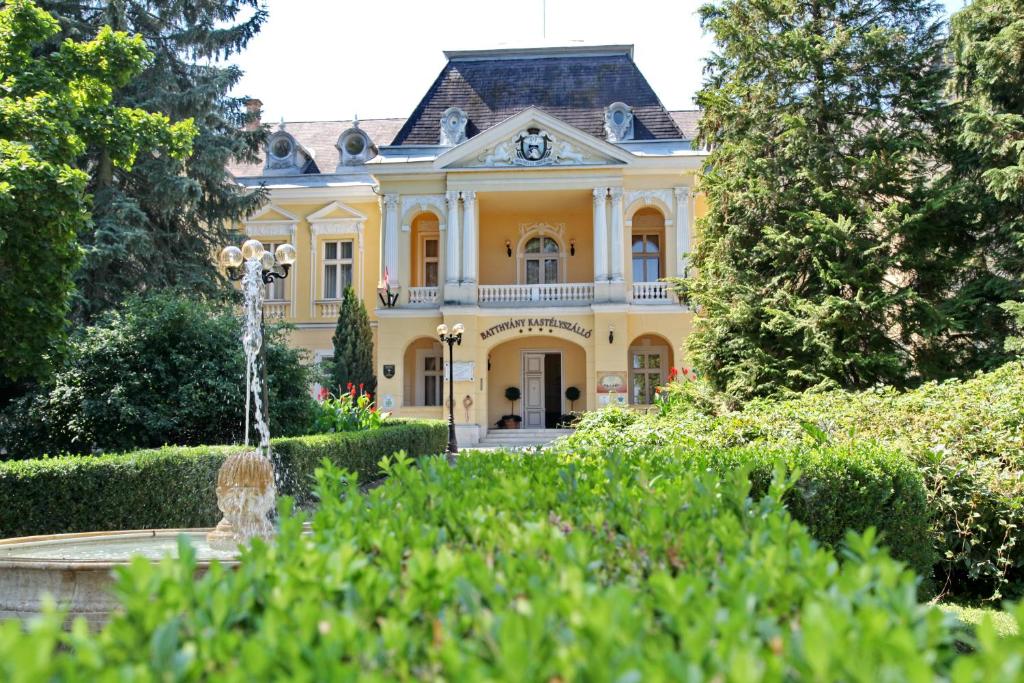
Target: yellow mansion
<point>537,196</point>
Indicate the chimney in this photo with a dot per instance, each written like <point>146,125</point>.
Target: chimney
<point>253,108</point>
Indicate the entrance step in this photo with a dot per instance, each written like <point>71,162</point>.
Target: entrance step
<point>521,438</point>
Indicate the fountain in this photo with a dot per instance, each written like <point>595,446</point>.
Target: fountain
<point>76,569</point>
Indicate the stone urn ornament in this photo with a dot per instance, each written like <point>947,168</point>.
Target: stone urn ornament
<point>245,495</point>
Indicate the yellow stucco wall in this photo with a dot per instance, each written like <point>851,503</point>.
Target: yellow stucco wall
<point>503,214</point>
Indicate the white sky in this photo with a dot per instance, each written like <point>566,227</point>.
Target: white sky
<point>330,59</point>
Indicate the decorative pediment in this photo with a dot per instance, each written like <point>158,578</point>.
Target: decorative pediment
<point>272,221</point>
<point>532,138</point>
<point>336,218</point>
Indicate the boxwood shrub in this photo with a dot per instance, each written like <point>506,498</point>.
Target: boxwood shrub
<point>590,567</point>
<point>965,436</point>
<point>837,489</point>
<point>173,487</point>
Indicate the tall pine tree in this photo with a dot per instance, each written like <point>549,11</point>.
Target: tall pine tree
<point>820,117</point>
<point>353,345</point>
<point>154,226</point>
<point>980,203</point>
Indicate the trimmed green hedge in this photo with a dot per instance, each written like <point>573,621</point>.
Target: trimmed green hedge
<point>173,487</point>
<point>853,486</point>
<point>590,566</point>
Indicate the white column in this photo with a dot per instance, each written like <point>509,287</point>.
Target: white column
<point>682,221</point>
<point>618,257</point>
<point>451,256</point>
<point>391,239</point>
<point>469,230</point>
<point>600,235</point>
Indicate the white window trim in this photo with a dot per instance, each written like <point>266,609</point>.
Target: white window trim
<point>556,232</point>
<point>323,263</point>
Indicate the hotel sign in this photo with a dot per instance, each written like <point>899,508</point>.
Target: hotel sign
<point>539,324</point>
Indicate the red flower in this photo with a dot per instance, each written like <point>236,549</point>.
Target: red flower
<point>672,374</point>
<point>361,385</point>
<point>352,392</point>
<point>373,409</point>
<point>322,394</point>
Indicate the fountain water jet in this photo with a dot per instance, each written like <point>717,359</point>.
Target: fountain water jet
<point>75,569</point>
<point>245,482</point>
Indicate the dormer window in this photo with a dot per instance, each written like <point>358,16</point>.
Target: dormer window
<point>355,146</point>
<point>284,155</point>
<point>618,122</point>
<point>453,126</point>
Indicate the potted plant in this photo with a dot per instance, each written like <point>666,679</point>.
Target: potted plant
<point>512,421</point>
<point>573,395</point>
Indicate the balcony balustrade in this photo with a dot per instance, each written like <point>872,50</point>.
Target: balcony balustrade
<point>653,293</point>
<point>328,308</point>
<point>423,296</point>
<point>276,310</point>
<point>562,292</point>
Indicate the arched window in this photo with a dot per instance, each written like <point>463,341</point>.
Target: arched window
<point>650,358</point>
<point>541,256</point>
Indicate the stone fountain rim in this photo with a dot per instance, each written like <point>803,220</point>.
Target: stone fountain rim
<point>50,563</point>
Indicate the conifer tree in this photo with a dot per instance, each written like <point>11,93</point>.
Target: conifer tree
<point>156,226</point>
<point>353,345</point>
<point>979,206</point>
<point>820,117</point>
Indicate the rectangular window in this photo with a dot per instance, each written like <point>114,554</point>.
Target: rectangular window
<point>646,375</point>
<point>337,268</point>
<point>433,380</point>
<point>276,289</point>
<point>646,257</point>
<point>430,261</point>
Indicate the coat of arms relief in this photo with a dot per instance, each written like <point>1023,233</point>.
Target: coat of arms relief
<point>535,147</point>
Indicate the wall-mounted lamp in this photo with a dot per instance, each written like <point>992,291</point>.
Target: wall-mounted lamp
<point>611,334</point>
<point>572,247</point>
<point>508,248</point>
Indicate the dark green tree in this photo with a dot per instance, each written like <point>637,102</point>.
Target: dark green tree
<point>161,368</point>
<point>54,104</point>
<point>156,226</point>
<point>820,115</point>
<point>353,346</point>
<point>978,217</point>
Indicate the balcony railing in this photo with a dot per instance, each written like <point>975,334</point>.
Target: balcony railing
<point>423,296</point>
<point>276,310</point>
<point>567,292</point>
<point>328,308</point>
<point>653,293</point>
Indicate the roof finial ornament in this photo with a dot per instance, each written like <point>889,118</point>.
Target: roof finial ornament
<point>355,120</point>
<point>280,125</point>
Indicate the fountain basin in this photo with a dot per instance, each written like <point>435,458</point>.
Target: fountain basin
<point>77,569</point>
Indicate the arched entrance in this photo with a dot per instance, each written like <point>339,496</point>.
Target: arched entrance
<point>542,368</point>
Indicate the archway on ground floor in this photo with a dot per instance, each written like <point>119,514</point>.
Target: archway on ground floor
<point>650,358</point>
<point>542,368</point>
<point>423,373</point>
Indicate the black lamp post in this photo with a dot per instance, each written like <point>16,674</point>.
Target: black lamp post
<point>451,340</point>
<point>275,266</point>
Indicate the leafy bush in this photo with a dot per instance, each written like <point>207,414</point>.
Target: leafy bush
<point>967,438</point>
<point>174,487</point>
<point>526,568</point>
<point>163,368</point>
<point>349,411</point>
<point>853,486</point>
